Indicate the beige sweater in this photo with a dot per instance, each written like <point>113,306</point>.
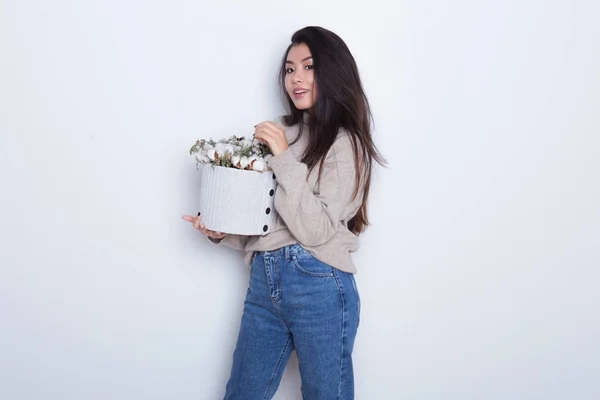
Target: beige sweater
<point>315,219</point>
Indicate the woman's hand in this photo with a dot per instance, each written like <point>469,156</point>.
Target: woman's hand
<point>199,226</point>
<point>273,135</point>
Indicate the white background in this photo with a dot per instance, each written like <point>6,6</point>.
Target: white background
<point>479,276</point>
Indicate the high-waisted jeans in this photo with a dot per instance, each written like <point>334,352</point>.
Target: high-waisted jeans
<point>296,302</point>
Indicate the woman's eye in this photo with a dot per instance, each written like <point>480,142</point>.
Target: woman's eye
<point>289,70</point>
<point>309,67</point>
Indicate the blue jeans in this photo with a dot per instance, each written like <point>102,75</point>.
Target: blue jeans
<point>296,302</point>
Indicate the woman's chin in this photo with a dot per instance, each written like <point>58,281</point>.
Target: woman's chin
<point>303,106</point>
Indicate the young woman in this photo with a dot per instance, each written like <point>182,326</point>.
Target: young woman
<point>302,294</point>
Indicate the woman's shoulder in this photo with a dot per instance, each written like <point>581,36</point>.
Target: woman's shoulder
<point>345,146</point>
<point>341,149</point>
<point>343,141</point>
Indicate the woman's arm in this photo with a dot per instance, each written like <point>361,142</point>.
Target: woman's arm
<point>313,219</point>
<point>237,242</point>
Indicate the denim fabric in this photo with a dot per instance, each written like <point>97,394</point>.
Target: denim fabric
<point>296,302</point>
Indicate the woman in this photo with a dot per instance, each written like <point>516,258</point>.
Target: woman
<point>302,294</point>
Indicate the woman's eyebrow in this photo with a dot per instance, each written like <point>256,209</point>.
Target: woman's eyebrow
<point>304,59</point>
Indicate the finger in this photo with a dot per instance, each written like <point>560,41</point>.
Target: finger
<point>212,234</point>
<point>268,129</point>
<point>260,139</point>
<point>269,124</point>
<point>271,135</point>
<point>197,222</point>
<point>216,235</point>
<point>272,127</point>
<point>264,137</point>
<point>277,142</point>
<point>192,220</point>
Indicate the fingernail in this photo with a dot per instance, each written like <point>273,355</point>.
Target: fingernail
<point>255,126</point>
<point>199,213</point>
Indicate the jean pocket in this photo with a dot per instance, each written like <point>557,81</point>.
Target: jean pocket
<point>309,265</point>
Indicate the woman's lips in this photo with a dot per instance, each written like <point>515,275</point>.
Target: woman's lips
<point>300,93</point>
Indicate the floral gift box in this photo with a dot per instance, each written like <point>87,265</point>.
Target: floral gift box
<point>236,186</point>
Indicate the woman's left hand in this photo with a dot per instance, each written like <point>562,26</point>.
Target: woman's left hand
<point>273,135</point>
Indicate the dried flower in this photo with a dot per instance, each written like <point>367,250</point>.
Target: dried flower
<point>259,164</point>
<point>234,152</point>
<point>212,154</point>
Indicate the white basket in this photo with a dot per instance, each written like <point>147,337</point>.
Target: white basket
<point>237,201</point>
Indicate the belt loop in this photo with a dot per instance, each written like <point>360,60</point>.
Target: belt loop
<point>287,253</point>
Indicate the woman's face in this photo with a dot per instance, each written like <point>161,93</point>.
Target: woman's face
<point>300,77</point>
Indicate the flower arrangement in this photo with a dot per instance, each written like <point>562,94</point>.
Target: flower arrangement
<point>235,199</point>
<point>232,152</point>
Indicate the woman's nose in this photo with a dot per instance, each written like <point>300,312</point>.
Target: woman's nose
<point>297,78</point>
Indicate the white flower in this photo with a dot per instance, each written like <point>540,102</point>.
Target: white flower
<point>210,153</point>
<point>221,149</point>
<point>259,164</point>
<point>228,151</point>
<point>200,157</point>
<point>229,148</point>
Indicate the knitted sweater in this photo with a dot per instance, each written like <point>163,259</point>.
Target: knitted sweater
<point>313,216</point>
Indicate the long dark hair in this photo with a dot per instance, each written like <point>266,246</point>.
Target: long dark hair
<point>341,103</point>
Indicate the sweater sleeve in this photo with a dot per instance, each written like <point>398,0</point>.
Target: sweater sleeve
<point>237,242</point>
<point>312,218</point>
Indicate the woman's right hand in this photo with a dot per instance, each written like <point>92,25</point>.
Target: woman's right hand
<point>199,226</point>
